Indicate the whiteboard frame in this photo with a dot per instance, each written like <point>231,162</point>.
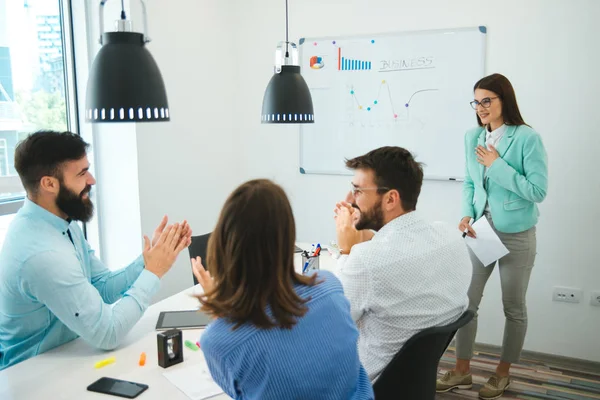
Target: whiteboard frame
<point>481,28</point>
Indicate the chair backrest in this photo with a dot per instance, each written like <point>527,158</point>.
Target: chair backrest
<point>413,371</point>
<point>198,248</point>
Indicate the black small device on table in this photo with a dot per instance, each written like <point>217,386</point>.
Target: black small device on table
<point>170,348</point>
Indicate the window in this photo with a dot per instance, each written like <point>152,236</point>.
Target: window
<point>35,84</point>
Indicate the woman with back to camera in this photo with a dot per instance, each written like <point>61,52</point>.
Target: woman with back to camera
<point>277,334</point>
<point>506,177</point>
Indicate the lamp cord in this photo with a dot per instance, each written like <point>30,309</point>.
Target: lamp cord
<point>123,16</point>
<point>287,53</point>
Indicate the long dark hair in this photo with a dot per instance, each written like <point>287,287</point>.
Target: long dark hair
<point>500,85</point>
<point>251,259</point>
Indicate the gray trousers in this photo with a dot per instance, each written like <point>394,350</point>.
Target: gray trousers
<point>515,270</point>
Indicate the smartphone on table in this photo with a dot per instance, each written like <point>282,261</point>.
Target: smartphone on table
<point>117,387</point>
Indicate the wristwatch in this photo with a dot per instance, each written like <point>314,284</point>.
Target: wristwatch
<point>335,251</point>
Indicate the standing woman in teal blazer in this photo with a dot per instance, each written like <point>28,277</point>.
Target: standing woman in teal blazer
<point>506,177</point>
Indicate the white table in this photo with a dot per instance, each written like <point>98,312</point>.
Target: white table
<point>66,371</point>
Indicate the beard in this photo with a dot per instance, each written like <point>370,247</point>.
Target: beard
<point>370,219</point>
<point>74,205</point>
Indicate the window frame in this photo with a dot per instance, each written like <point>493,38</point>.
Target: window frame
<point>11,206</point>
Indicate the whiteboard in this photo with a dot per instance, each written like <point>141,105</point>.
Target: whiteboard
<point>408,89</point>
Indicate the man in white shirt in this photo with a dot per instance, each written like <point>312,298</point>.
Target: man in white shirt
<point>412,274</point>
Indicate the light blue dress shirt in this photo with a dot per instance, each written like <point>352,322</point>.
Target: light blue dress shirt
<point>53,289</point>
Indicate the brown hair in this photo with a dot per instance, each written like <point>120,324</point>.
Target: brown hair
<point>395,169</point>
<point>500,85</point>
<point>43,153</point>
<point>251,259</point>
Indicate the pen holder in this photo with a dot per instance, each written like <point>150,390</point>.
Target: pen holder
<point>309,263</point>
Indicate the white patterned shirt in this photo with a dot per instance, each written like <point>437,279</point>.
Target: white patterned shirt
<point>411,276</point>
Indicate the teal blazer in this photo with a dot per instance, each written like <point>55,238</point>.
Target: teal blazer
<point>517,180</point>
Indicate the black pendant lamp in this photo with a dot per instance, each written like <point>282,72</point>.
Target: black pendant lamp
<point>125,84</point>
<point>287,98</point>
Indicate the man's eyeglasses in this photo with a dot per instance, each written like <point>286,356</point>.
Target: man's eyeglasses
<point>485,103</point>
<point>356,189</point>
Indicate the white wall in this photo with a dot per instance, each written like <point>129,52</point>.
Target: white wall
<point>143,170</point>
<point>217,57</point>
<point>189,165</point>
<point>115,231</point>
<point>3,24</point>
<point>546,48</point>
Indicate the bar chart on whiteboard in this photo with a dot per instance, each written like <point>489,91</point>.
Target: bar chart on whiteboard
<point>408,89</point>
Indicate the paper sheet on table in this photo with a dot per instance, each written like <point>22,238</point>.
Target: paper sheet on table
<point>195,381</point>
<point>487,247</point>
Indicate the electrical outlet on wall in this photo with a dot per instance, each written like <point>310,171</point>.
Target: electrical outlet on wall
<point>595,299</point>
<point>567,295</point>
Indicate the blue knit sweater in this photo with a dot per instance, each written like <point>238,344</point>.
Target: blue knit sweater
<point>316,359</point>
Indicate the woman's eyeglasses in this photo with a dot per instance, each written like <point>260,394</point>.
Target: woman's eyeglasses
<point>485,103</point>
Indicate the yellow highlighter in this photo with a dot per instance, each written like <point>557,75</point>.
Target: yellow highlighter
<point>105,362</point>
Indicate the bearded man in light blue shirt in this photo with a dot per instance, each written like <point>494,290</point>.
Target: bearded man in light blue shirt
<point>53,288</point>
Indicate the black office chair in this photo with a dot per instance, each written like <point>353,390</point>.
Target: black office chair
<point>198,248</point>
<point>412,373</point>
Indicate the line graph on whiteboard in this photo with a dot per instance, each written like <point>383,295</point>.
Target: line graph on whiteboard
<point>386,108</point>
